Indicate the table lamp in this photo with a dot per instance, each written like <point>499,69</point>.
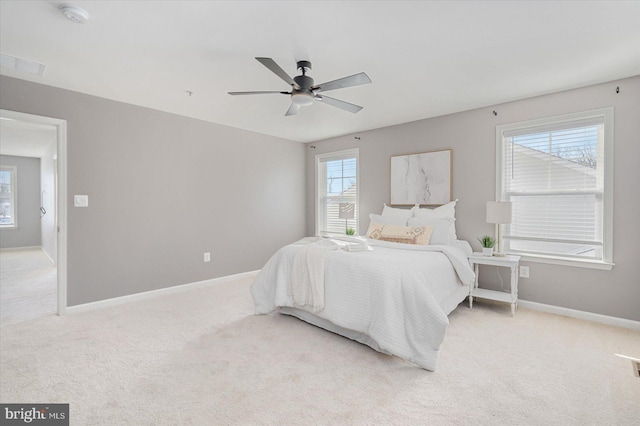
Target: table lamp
<point>346,211</point>
<point>498,213</point>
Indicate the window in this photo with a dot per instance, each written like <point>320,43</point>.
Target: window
<point>8,197</point>
<point>336,183</point>
<point>557,172</point>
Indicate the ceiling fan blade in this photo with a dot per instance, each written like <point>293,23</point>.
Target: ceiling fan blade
<point>352,80</point>
<point>293,109</point>
<point>258,93</point>
<point>338,103</point>
<point>275,68</point>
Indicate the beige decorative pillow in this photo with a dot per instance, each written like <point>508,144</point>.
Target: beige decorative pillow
<point>400,234</point>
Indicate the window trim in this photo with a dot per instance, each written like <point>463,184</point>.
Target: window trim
<point>607,210</point>
<point>355,152</point>
<point>14,196</point>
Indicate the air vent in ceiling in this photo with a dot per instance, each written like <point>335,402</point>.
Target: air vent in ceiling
<point>23,65</point>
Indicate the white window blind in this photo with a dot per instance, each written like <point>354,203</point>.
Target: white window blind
<point>553,171</point>
<point>337,182</point>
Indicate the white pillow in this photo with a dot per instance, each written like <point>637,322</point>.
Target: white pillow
<point>446,211</point>
<point>393,211</point>
<point>388,220</point>
<point>441,234</point>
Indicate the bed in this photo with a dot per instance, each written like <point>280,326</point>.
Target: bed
<point>393,297</point>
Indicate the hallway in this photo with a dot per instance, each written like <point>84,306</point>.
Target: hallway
<point>28,287</point>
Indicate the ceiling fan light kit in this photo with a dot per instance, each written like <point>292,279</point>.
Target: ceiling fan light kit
<point>302,99</point>
<point>304,92</point>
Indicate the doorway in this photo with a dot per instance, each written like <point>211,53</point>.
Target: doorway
<point>53,196</point>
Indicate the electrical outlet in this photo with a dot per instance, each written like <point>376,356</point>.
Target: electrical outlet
<point>524,272</point>
<point>207,257</point>
<point>635,364</point>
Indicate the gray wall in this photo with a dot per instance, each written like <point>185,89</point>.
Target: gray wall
<point>48,186</point>
<point>471,135</point>
<point>163,189</point>
<point>27,234</point>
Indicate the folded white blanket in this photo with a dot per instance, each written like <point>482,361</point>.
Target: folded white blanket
<point>357,247</point>
<point>307,275</point>
<point>351,243</point>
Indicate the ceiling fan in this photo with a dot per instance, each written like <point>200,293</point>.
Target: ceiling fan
<point>304,92</point>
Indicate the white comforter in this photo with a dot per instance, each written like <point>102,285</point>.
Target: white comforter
<point>397,294</point>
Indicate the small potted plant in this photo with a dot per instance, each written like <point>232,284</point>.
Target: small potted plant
<point>487,242</point>
<point>351,231</point>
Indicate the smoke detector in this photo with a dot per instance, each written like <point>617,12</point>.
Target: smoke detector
<point>74,13</point>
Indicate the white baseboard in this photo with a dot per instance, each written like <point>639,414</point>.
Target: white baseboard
<point>572,313</point>
<point>153,293</point>
<point>11,249</point>
<point>19,248</point>
<point>53,262</point>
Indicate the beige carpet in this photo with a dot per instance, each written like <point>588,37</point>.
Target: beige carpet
<point>28,286</point>
<point>202,358</point>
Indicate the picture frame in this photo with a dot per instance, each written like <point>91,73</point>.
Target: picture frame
<point>423,178</point>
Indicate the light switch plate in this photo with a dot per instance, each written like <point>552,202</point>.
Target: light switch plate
<point>81,201</point>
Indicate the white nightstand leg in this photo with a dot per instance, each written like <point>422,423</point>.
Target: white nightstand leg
<point>514,289</point>
<point>476,268</point>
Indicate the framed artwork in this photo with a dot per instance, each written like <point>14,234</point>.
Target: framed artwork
<point>421,178</point>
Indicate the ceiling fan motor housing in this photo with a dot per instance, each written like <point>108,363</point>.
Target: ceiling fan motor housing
<point>302,96</point>
<point>304,82</point>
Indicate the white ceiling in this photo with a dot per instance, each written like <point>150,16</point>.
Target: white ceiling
<point>425,58</point>
<point>25,139</point>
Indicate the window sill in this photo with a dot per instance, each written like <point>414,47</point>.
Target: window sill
<point>578,263</point>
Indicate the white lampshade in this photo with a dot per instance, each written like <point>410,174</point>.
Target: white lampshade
<point>346,211</point>
<point>498,212</point>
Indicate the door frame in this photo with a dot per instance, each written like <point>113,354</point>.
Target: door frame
<point>61,196</point>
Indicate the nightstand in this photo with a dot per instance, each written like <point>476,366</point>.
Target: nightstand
<point>508,261</point>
